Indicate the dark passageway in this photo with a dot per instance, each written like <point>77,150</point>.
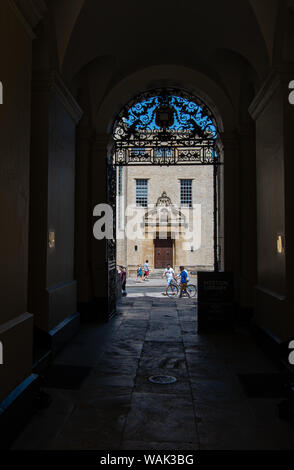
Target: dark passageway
<point>114,406</point>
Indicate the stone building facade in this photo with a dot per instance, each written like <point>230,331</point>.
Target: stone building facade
<point>173,223</point>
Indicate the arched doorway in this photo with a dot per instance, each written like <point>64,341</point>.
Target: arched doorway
<point>164,128</point>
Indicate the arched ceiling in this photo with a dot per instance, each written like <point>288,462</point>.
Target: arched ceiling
<point>66,13</point>
<point>163,31</point>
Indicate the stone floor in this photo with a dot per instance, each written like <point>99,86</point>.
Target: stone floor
<point>116,406</point>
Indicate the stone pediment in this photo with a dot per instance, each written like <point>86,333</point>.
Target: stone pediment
<point>164,200</point>
<point>164,213</point>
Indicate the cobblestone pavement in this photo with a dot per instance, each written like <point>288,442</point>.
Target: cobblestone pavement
<point>116,407</point>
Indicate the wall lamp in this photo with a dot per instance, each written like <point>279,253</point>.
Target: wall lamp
<point>51,239</point>
<point>280,244</point>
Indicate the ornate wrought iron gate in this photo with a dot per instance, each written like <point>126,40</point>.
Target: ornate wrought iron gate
<point>111,243</point>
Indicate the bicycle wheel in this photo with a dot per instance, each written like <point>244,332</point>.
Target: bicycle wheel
<point>192,290</point>
<point>172,290</point>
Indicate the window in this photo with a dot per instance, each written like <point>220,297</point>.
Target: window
<point>186,193</point>
<point>142,193</point>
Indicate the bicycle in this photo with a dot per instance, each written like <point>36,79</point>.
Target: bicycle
<point>173,289</point>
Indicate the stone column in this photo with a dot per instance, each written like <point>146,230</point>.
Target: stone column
<point>99,263</point>
<point>52,289</point>
<point>248,231</point>
<point>17,382</point>
<point>84,226</point>
<point>274,117</point>
<point>231,206</point>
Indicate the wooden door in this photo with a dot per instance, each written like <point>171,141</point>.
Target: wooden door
<point>163,253</point>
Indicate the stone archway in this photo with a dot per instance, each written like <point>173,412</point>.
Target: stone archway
<point>101,146</point>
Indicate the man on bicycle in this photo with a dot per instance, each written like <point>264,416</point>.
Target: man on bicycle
<point>184,279</point>
<point>169,274</point>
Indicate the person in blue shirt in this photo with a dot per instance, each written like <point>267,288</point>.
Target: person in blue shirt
<point>139,273</point>
<point>184,279</point>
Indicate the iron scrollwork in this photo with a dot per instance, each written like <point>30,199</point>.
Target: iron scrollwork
<point>165,127</point>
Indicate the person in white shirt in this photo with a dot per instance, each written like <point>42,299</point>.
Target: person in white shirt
<point>146,270</point>
<point>169,274</point>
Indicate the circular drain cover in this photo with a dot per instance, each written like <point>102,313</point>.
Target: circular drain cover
<point>162,379</point>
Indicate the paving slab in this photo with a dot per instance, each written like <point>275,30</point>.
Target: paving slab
<point>124,365</point>
<point>125,348</point>
<point>88,427</point>
<point>161,418</point>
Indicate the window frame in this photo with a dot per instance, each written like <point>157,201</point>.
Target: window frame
<point>186,193</point>
<point>144,198</point>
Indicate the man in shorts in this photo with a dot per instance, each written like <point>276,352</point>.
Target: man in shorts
<point>146,270</point>
<point>169,274</point>
<point>184,279</point>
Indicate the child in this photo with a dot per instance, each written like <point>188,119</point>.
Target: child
<point>139,273</point>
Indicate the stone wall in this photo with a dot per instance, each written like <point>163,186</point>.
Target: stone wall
<point>16,325</point>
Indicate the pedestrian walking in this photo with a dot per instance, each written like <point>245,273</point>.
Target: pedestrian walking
<point>139,273</point>
<point>123,278</point>
<point>184,279</point>
<point>146,270</point>
<point>169,274</point>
